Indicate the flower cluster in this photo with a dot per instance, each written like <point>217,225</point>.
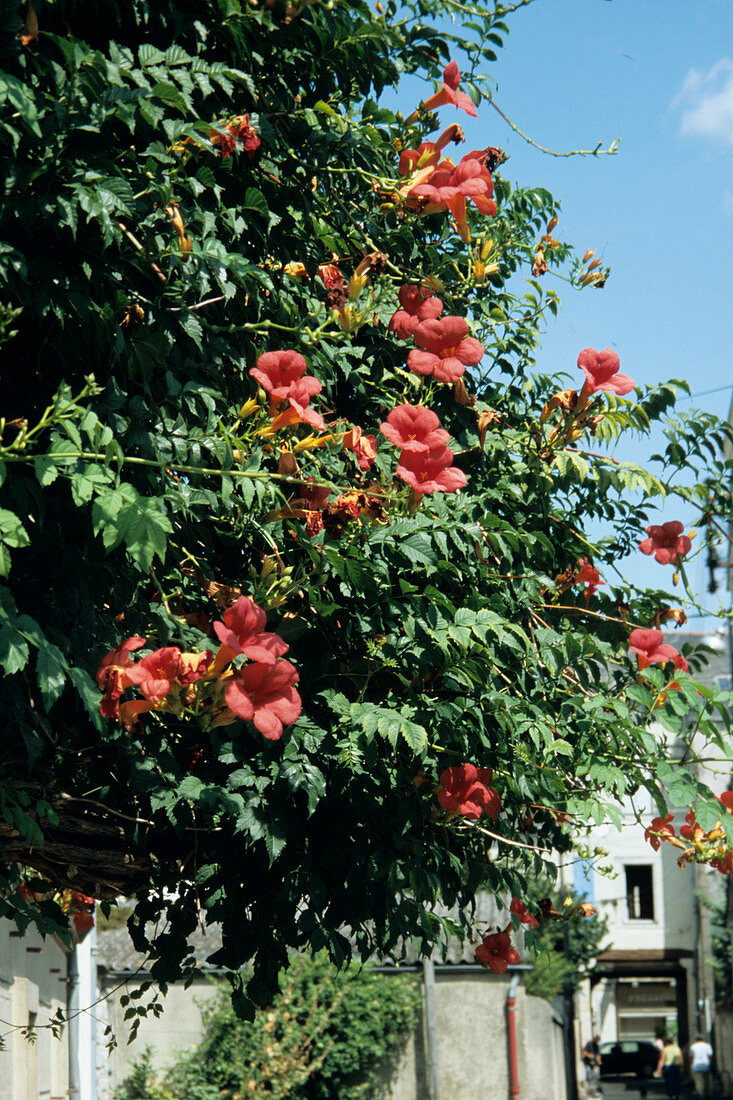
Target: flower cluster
<point>440,185</point>
<point>312,505</point>
<point>601,375</point>
<point>215,690</point>
<point>426,464</point>
<point>418,304</point>
<point>437,184</point>
<point>80,907</point>
<point>236,132</point>
<point>444,346</point>
<point>696,845</point>
<point>465,790</point>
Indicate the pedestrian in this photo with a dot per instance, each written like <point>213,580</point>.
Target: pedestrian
<point>591,1055</point>
<point>670,1066</point>
<point>701,1059</point>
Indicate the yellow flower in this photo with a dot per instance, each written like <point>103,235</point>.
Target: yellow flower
<point>296,270</point>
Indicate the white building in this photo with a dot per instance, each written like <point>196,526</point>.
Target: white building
<point>40,978</point>
<point>655,976</point>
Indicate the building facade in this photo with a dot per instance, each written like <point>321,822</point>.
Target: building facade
<point>655,977</point>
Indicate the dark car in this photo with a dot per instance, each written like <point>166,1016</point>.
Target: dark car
<point>628,1056</point>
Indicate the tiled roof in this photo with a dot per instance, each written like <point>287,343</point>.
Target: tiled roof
<point>116,953</point>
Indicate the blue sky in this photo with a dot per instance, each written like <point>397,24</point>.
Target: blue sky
<point>658,75</point>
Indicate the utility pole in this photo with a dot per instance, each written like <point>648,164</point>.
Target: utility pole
<point>430,1029</point>
<point>568,996</point>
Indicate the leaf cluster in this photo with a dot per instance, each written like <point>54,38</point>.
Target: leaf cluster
<point>135,493</point>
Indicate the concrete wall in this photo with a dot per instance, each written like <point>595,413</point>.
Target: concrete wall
<point>33,976</point>
<point>472,1041</point>
<point>722,1042</point>
<point>473,1045</point>
<point>178,1028</point>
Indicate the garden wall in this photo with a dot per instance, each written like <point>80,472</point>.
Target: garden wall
<point>472,1048</point>
<point>472,1053</point>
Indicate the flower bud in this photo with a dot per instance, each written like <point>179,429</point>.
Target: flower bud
<point>435,284</point>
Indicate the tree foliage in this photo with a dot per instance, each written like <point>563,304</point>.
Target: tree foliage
<point>147,265</point>
<point>563,948</point>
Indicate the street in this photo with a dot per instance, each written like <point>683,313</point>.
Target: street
<point>630,1088</point>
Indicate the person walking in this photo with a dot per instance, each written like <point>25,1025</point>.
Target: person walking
<point>701,1064</point>
<point>591,1056</point>
<point>670,1066</point>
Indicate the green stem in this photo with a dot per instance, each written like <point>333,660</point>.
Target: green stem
<point>95,456</point>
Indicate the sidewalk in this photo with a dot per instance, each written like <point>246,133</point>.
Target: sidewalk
<point>630,1088</point>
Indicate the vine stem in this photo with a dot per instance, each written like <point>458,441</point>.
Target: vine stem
<point>95,456</point>
<point>597,152</point>
<point>586,611</point>
<point>512,843</point>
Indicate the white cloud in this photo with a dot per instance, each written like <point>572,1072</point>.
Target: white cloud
<point>706,99</point>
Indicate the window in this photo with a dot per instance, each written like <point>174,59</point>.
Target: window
<point>639,891</point>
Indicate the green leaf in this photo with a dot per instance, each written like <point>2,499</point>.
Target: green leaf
<point>12,531</point>
<point>390,724</point>
<point>51,671</point>
<point>14,651</point>
<point>417,549</point>
<point>89,694</point>
<point>12,535</point>
<point>190,787</point>
<point>122,515</point>
<point>255,200</point>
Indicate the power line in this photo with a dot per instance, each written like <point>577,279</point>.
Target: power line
<point>705,393</point>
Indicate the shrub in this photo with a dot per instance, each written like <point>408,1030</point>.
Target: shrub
<point>328,1035</point>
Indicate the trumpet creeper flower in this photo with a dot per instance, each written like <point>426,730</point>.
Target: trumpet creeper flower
<point>265,695</point>
<point>496,952</point>
<point>414,428</point>
<point>449,93</point>
<point>241,632</point>
<point>601,372</point>
<point>666,543</point>
<point>651,649</point>
<point>444,349</point>
<point>430,471</point>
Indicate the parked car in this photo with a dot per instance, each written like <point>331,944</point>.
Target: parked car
<point>628,1056</point>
